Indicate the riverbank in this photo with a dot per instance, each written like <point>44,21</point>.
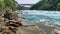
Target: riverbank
<point>9,22</point>
<point>36,29</point>
<point>46,25</point>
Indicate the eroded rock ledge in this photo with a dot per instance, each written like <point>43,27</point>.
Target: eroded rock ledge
<point>9,22</point>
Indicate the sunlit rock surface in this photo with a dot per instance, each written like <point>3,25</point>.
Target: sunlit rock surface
<point>9,22</point>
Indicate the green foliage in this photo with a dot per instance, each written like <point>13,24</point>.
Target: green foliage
<point>8,4</point>
<point>47,5</point>
<point>11,4</point>
<point>2,5</point>
<point>58,6</point>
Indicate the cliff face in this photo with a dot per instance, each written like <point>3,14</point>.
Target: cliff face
<point>9,22</point>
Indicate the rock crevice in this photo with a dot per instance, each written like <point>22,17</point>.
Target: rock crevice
<point>9,22</point>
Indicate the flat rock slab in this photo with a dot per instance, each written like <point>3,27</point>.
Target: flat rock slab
<point>28,30</point>
<point>27,23</point>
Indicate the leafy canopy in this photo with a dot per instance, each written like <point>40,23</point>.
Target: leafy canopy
<point>8,4</point>
<point>47,5</point>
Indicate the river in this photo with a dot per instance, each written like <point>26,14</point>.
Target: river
<point>44,21</point>
<point>53,17</point>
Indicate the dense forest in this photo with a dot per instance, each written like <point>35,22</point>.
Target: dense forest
<point>11,4</point>
<point>41,5</point>
<point>47,5</point>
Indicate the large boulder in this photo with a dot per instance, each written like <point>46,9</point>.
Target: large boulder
<point>9,22</point>
<point>9,14</point>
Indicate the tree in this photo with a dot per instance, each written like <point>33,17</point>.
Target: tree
<point>2,5</point>
<point>12,4</point>
<point>58,6</point>
<point>46,5</point>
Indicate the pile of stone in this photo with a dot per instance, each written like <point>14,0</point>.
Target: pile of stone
<point>9,22</point>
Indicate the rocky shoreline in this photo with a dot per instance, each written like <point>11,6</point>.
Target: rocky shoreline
<point>9,22</point>
<point>12,23</point>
